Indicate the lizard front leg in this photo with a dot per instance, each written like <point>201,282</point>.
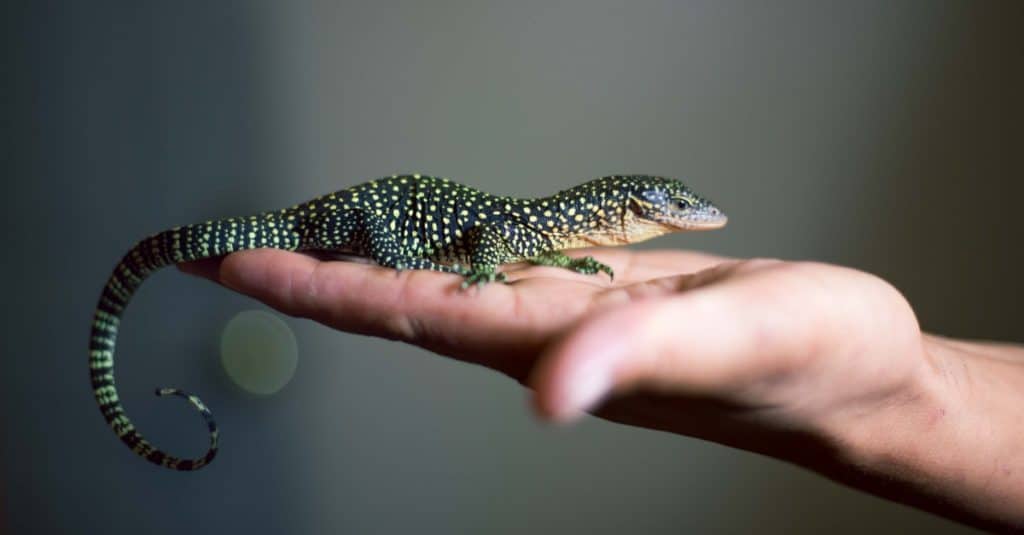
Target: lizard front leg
<point>586,265</point>
<point>500,243</point>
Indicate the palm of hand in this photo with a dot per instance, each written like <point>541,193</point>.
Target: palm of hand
<point>688,342</point>
<point>501,325</point>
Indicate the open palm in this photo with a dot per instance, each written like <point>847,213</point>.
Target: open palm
<point>682,341</point>
<point>503,326</point>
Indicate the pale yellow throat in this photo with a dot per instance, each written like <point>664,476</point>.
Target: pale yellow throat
<point>632,230</point>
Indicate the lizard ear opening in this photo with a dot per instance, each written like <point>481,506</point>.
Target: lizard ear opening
<point>637,206</point>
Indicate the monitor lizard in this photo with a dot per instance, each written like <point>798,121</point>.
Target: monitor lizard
<point>400,222</point>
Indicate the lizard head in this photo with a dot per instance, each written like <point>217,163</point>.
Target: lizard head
<point>616,210</point>
<point>668,203</point>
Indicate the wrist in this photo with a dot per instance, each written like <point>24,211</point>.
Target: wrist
<point>949,440</point>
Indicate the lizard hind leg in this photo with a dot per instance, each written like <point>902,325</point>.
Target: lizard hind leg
<point>489,246</point>
<point>382,246</point>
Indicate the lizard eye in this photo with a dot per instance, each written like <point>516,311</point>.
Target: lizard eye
<point>683,204</point>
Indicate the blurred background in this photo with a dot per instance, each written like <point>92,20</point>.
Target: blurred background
<point>881,135</point>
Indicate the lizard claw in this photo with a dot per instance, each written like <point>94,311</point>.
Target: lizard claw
<point>589,266</point>
<point>481,278</point>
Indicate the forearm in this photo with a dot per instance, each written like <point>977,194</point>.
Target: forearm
<point>953,444</point>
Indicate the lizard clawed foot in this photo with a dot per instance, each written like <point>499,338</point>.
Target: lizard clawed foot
<point>589,266</point>
<point>481,278</point>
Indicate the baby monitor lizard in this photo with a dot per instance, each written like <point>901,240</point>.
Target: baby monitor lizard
<point>400,222</point>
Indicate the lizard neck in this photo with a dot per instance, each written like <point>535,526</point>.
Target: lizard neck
<point>587,216</point>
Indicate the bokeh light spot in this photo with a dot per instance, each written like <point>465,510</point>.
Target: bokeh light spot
<point>258,351</point>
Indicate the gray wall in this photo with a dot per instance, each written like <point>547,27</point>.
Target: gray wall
<point>881,135</point>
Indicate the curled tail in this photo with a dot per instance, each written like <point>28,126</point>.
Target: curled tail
<point>184,244</point>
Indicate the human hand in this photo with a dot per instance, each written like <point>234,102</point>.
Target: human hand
<point>502,326</point>
<point>765,337</point>
<point>819,365</point>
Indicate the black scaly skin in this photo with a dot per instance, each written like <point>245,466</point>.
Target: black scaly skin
<point>402,222</point>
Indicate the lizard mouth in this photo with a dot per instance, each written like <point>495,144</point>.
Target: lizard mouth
<point>704,223</point>
<point>708,219</point>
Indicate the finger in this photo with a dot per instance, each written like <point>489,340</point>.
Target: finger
<point>711,341</point>
<point>631,266</point>
<point>490,326</point>
<point>651,264</point>
<point>354,297</point>
<point>208,268</point>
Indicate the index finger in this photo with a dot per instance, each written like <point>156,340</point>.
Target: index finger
<point>495,326</point>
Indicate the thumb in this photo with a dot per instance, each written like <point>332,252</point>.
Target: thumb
<point>706,342</point>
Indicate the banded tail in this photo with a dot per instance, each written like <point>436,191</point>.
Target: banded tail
<point>183,244</point>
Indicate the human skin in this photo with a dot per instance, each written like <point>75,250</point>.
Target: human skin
<point>819,365</point>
